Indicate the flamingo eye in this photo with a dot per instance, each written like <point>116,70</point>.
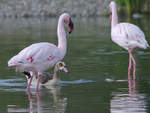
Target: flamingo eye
<point>65,21</point>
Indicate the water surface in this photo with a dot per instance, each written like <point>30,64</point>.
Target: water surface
<point>97,82</point>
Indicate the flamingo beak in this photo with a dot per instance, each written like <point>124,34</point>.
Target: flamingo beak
<point>71,26</point>
<point>110,15</point>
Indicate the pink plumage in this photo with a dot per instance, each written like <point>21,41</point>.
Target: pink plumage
<point>126,35</point>
<point>39,57</point>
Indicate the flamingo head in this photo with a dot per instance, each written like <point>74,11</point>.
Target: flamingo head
<point>61,66</point>
<point>68,21</point>
<point>112,5</point>
<point>70,26</point>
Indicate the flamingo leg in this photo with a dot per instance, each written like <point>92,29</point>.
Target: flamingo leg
<point>130,63</point>
<point>31,101</point>
<point>38,82</point>
<point>129,85</point>
<point>134,66</point>
<point>29,84</point>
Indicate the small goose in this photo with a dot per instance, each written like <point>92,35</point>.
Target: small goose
<point>47,78</point>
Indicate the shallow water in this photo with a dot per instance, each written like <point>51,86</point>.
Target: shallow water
<point>97,82</point>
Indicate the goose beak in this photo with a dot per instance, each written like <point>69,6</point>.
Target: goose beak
<point>65,70</point>
<point>71,26</point>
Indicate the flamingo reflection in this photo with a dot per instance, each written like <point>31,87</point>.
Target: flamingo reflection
<point>131,101</point>
<point>47,101</point>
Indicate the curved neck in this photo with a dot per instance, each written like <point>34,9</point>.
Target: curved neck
<point>114,20</point>
<point>56,74</point>
<point>61,34</point>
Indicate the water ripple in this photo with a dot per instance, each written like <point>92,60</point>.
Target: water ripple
<point>123,103</point>
<point>12,82</point>
<point>103,52</point>
<point>12,85</point>
<point>113,80</point>
<point>81,81</point>
<point>17,85</point>
<point>143,53</point>
<point>13,89</point>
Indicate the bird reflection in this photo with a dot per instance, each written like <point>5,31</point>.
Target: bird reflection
<point>47,101</point>
<point>131,102</point>
<point>131,85</point>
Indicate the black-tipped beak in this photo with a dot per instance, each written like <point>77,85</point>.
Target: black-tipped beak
<point>65,70</point>
<point>70,26</point>
<point>110,15</point>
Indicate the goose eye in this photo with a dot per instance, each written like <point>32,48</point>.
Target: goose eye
<point>61,64</point>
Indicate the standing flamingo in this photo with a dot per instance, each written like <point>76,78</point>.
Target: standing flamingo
<point>126,35</point>
<point>39,57</point>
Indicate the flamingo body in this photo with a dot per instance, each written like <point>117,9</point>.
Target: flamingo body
<point>126,35</point>
<point>39,57</point>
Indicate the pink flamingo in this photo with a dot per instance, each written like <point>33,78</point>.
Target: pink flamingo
<point>126,35</point>
<point>39,57</point>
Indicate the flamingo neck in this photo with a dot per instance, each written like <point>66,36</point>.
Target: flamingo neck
<point>114,20</point>
<point>62,42</point>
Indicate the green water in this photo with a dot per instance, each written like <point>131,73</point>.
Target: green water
<point>97,82</point>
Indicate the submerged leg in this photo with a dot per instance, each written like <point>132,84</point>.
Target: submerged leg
<point>29,84</point>
<point>38,82</point>
<point>31,102</point>
<point>134,66</point>
<point>130,63</point>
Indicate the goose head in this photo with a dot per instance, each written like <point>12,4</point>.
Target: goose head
<point>61,66</point>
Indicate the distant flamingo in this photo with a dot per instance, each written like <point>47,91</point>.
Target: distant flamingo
<point>126,35</point>
<point>39,57</point>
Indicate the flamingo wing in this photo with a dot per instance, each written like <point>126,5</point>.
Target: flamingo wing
<point>129,36</point>
<point>35,54</point>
